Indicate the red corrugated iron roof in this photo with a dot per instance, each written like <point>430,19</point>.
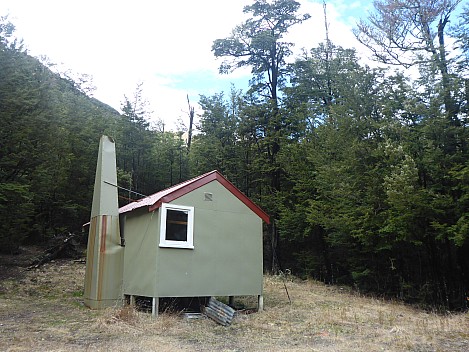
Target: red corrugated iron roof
<point>154,201</point>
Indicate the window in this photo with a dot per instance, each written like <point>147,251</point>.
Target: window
<point>177,224</point>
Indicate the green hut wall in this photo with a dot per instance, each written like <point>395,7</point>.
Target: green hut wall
<point>226,259</point>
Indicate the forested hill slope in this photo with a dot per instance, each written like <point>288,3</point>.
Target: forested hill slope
<point>49,143</point>
<point>48,149</point>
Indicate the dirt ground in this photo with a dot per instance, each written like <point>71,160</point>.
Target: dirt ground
<point>42,310</point>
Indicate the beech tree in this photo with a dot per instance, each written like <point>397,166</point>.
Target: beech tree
<point>413,32</point>
<point>257,43</point>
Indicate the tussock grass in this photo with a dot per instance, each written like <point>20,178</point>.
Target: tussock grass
<point>42,310</point>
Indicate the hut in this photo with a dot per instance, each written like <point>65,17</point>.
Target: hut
<point>199,238</point>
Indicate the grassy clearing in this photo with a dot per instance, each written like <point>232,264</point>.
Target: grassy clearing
<point>42,310</point>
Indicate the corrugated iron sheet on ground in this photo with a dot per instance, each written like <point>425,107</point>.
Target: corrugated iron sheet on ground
<point>219,312</point>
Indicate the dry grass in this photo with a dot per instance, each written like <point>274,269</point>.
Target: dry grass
<point>42,310</point>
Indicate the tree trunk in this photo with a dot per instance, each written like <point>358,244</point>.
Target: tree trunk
<point>450,106</point>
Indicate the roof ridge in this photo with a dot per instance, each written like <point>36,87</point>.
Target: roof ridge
<point>169,194</point>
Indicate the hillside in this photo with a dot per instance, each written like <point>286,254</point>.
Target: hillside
<point>42,310</point>
<point>48,143</point>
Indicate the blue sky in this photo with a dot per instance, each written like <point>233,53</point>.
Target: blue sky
<point>164,45</point>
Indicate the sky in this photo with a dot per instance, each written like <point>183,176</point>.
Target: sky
<point>163,45</point>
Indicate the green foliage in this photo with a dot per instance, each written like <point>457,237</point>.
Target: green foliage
<point>16,207</point>
<point>49,142</point>
<point>48,148</point>
<point>459,231</point>
<point>215,146</point>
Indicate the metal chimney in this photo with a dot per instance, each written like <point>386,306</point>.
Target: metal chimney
<point>105,256</point>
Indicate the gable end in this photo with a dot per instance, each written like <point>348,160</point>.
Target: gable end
<point>199,182</point>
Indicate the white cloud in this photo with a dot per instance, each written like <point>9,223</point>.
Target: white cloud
<point>122,43</point>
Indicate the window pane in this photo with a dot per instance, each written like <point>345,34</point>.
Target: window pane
<point>176,225</point>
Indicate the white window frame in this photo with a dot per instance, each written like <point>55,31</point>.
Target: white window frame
<point>189,244</point>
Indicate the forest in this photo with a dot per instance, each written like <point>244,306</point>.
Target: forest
<point>363,171</point>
